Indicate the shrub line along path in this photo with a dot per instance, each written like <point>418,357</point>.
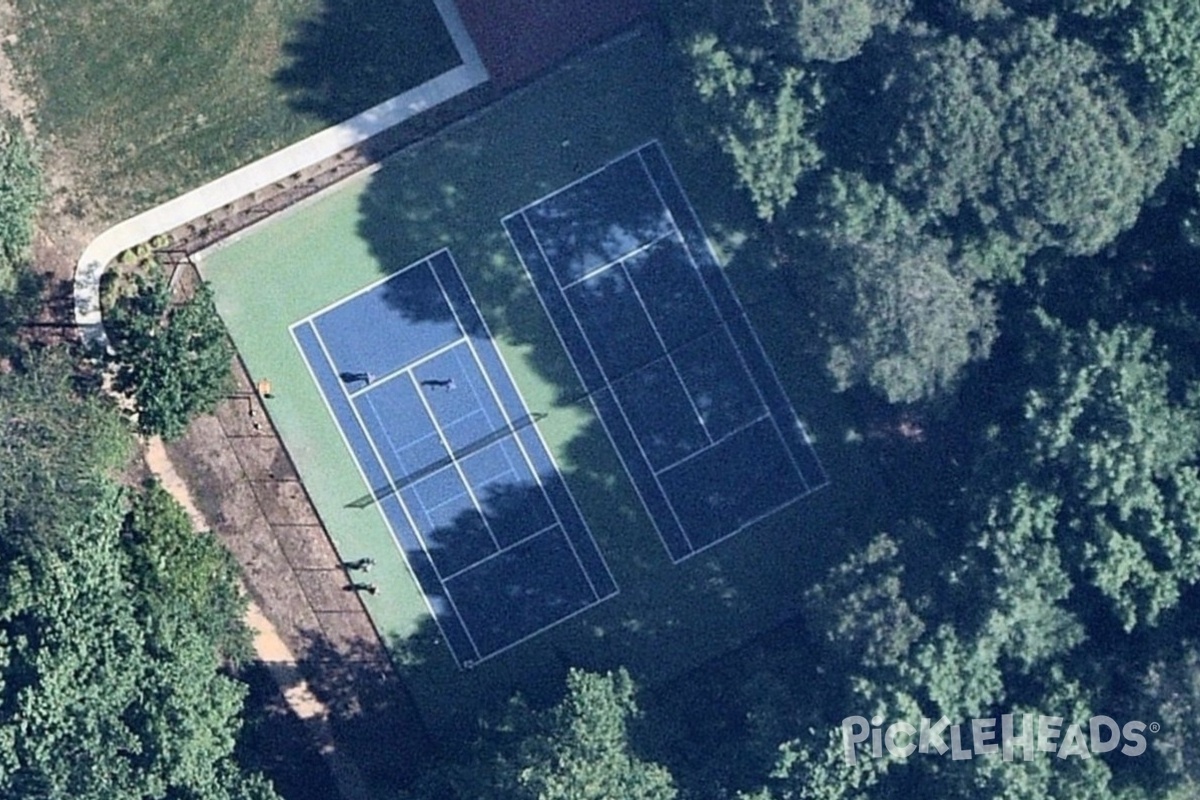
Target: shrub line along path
<point>271,169</point>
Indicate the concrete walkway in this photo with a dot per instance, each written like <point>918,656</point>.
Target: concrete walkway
<point>267,171</point>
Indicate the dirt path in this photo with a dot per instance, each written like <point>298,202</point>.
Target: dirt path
<point>270,648</point>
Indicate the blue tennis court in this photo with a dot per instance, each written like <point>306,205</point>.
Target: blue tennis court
<point>662,345</point>
<point>453,459</point>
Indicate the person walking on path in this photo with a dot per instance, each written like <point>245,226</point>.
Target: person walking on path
<point>363,564</point>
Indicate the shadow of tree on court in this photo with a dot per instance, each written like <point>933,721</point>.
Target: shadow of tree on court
<point>452,191</point>
<point>357,53</point>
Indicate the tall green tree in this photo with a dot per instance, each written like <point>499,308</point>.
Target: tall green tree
<point>763,115</point>
<point>583,751</point>
<point>113,628</point>
<point>20,193</point>
<point>176,569</point>
<point>173,361</point>
<point>1028,134</point>
<point>1023,572</point>
<point>1120,445</point>
<point>904,314</point>
<point>1170,686</point>
<point>579,749</point>
<point>833,30</point>
<point>1164,43</point>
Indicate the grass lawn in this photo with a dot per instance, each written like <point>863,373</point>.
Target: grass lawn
<point>451,191</point>
<point>154,98</point>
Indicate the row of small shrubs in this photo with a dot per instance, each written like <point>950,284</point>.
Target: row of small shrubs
<point>143,251</point>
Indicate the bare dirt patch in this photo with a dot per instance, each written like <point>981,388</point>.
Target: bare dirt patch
<point>245,485</point>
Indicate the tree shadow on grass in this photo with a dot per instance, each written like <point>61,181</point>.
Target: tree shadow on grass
<point>357,53</point>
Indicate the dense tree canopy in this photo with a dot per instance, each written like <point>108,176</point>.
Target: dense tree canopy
<point>1120,446</point>
<point>906,315</point>
<point>765,124</point>
<point>579,749</point>
<point>114,616</point>
<point>1001,134</point>
<point>172,360</point>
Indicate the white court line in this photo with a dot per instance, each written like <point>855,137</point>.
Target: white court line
<point>453,463</point>
<point>670,360</point>
<point>729,284</point>
<point>375,450</point>
<point>539,631</point>
<point>750,523</point>
<point>641,248</point>
<point>409,367</point>
<point>545,447</point>
<point>571,360</point>
<point>521,211</point>
<point>617,400</point>
<point>744,426</point>
<point>379,506</point>
<point>501,552</point>
<point>507,421</point>
<point>362,290</point>
<point>391,443</point>
<point>728,334</point>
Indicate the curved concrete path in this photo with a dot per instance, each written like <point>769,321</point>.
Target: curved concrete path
<point>267,171</point>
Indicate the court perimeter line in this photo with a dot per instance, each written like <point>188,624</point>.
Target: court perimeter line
<point>539,631</point>
<point>616,399</point>
<point>395,492</point>
<point>502,551</point>
<point>711,299</point>
<point>641,248</point>
<point>667,351</point>
<point>504,415</point>
<point>407,368</point>
<point>454,462</point>
<point>378,506</point>
<point>582,383</point>
<point>521,211</point>
<point>713,254</point>
<point>545,447</point>
<point>739,429</point>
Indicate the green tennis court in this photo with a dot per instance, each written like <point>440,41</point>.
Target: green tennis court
<point>451,193</point>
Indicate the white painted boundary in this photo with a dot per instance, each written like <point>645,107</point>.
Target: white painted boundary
<point>268,170</point>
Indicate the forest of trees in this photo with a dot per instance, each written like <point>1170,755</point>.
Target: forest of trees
<point>119,626</point>
<point>995,208</point>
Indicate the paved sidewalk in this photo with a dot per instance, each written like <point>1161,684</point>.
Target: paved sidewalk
<point>267,171</point>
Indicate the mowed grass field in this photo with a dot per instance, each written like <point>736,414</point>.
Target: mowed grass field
<point>451,191</point>
<point>153,98</point>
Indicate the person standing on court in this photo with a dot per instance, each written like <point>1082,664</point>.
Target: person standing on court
<point>357,377</point>
<point>439,383</point>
